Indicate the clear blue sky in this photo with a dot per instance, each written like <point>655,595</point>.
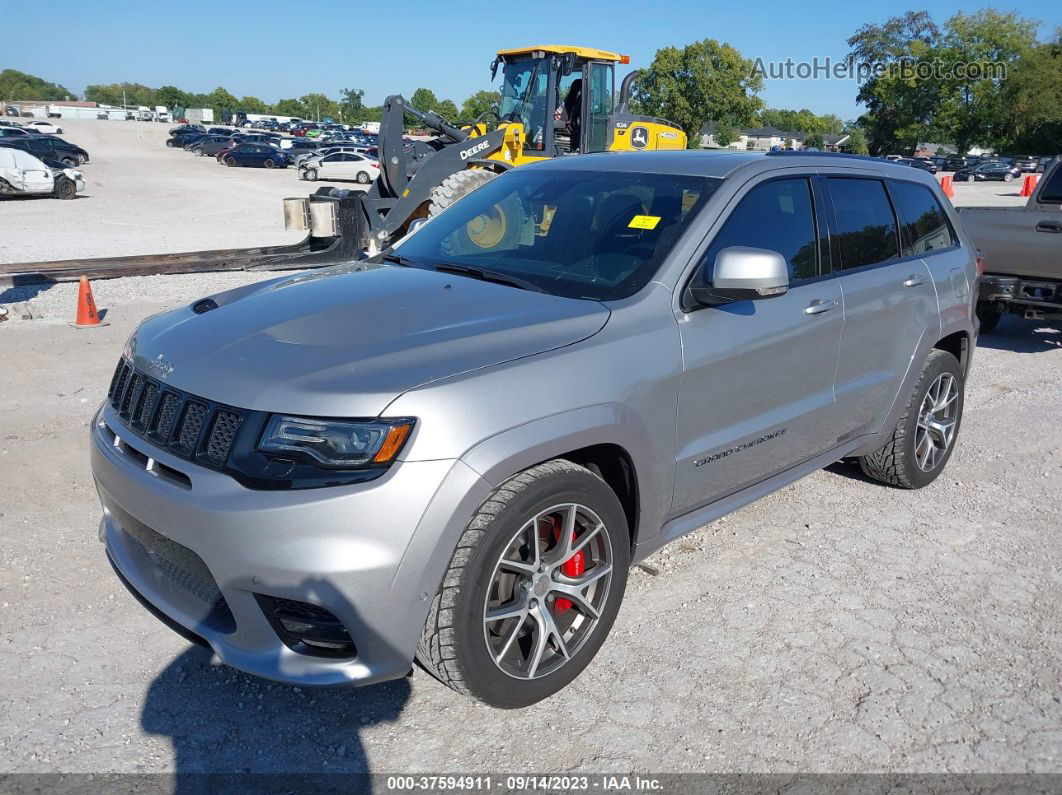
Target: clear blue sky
<point>280,48</point>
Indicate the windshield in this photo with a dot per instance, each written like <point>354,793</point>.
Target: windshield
<point>524,86</point>
<point>578,234</point>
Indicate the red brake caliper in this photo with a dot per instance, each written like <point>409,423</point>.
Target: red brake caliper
<point>572,567</point>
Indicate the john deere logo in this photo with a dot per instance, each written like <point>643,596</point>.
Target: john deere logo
<point>639,137</point>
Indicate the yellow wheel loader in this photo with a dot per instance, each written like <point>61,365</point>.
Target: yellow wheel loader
<point>556,100</point>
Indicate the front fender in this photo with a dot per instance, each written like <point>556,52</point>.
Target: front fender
<point>503,455</point>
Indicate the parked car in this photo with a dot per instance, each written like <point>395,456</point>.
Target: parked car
<point>182,139</point>
<point>1027,164</point>
<point>11,111</point>
<point>187,128</point>
<point>991,170</point>
<point>1021,246</point>
<point>915,162</point>
<point>13,132</point>
<point>255,155</point>
<point>1042,165</point>
<point>211,145</point>
<point>41,126</point>
<point>939,162</point>
<point>298,145</point>
<point>955,163</point>
<point>47,147</point>
<point>341,165</point>
<point>449,502</point>
<point>253,138</point>
<point>304,155</point>
<point>13,124</point>
<point>219,131</point>
<point>23,174</point>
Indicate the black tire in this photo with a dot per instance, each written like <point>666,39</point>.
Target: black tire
<point>896,463</point>
<point>989,317</point>
<point>65,189</point>
<point>198,152</point>
<point>269,163</point>
<point>456,186</point>
<point>363,178</point>
<point>453,646</point>
<point>169,144</point>
<point>309,174</point>
<point>69,162</point>
<point>230,162</point>
<point>81,160</point>
<point>1008,177</point>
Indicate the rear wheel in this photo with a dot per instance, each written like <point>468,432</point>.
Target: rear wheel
<point>363,178</point>
<point>269,163</point>
<point>65,188</point>
<point>532,589</point>
<point>1008,177</point>
<point>923,439</point>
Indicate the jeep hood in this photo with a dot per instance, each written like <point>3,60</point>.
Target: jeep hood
<point>345,342</point>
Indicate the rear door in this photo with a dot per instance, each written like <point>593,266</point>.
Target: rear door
<point>889,301</point>
<point>756,396</point>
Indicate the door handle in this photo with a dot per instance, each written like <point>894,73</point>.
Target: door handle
<point>1049,226</point>
<point>819,305</point>
<point>914,280</point>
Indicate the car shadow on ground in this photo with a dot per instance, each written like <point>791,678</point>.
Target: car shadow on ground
<point>1019,335</point>
<point>232,732</point>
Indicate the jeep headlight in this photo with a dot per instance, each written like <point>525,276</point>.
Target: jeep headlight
<point>336,444</point>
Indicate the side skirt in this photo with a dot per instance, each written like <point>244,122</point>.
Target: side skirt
<point>687,523</point>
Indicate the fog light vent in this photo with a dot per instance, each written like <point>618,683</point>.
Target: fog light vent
<point>307,628</point>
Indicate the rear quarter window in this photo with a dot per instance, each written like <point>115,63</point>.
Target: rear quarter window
<point>924,226</point>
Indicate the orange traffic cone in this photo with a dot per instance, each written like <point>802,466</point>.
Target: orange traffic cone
<point>1028,185</point>
<point>87,316</point>
<point>945,184</point>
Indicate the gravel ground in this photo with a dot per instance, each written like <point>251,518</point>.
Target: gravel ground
<point>144,198</point>
<point>835,626</point>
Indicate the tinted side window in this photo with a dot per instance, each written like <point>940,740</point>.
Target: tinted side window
<point>1052,191</point>
<point>923,223</point>
<point>778,216</point>
<point>866,226</point>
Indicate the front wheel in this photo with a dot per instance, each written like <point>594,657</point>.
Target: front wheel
<point>230,161</point>
<point>69,162</point>
<point>532,589</point>
<point>924,438</point>
<point>309,174</point>
<point>65,189</point>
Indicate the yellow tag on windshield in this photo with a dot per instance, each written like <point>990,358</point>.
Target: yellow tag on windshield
<point>644,222</point>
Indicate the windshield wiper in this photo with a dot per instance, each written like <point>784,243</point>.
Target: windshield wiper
<point>400,260</point>
<point>489,276</point>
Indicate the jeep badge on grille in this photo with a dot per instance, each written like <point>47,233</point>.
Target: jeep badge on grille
<point>162,366</point>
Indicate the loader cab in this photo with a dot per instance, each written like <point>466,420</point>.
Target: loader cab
<point>563,96</point>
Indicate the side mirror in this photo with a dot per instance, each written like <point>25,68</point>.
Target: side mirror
<point>567,63</point>
<point>493,69</point>
<point>742,274</point>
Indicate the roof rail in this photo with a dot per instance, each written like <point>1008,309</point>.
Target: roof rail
<point>790,153</point>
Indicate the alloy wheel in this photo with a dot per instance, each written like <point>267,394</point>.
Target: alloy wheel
<point>547,591</point>
<point>937,422</point>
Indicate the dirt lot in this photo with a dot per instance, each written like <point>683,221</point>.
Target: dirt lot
<point>143,198</point>
<point>836,626</point>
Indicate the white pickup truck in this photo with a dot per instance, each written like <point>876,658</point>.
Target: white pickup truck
<point>1022,247</point>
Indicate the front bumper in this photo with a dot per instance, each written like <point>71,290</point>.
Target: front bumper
<point>205,552</point>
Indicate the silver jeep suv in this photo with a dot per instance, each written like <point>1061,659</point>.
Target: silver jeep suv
<point>455,452</point>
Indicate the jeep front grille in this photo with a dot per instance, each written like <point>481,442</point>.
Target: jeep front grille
<point>188,426</point>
